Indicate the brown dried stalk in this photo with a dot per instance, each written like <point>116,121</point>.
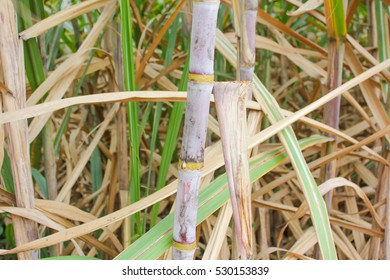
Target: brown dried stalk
<point>114,41</point>
<point>336,38</point>
<point>332,109</point>
<point>11,55</point>
<point>230,100</point>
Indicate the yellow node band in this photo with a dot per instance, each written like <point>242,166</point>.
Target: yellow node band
<point>190,165</point>
<point>207,1</point>
<point>184,247</point>
<point>201,78</point>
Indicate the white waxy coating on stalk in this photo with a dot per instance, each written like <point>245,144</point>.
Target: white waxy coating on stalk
<point>195,126</point>
<point>250,36</point>
<point>186,211</point>
<point>246,73</point>
<point>195,123</point>
<point>248,40</point>
<point>203,38</point>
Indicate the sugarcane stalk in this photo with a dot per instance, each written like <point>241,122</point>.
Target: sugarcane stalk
<point>230,100</point>
<point>200,84</point>
<point>336,25</point>
<point>11,56</point>
<point>332,109</point>
<point>248,17</point>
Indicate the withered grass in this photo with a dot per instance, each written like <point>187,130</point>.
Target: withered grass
<point>281,223</point>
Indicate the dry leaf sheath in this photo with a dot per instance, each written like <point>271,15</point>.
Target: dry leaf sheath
<point>11,56</point>
<point>230,99</point>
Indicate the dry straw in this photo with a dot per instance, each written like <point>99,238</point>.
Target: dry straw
<point>14,98</point>
<point>230,100</point>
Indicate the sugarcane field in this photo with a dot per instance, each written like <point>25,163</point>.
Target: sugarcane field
<point>195,130</point>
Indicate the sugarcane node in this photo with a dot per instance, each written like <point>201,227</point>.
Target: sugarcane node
<point>192,166</point>
<point>210,1</point>
<point>184,247</point>
<point>340,39</point>
<point>200,78</point>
